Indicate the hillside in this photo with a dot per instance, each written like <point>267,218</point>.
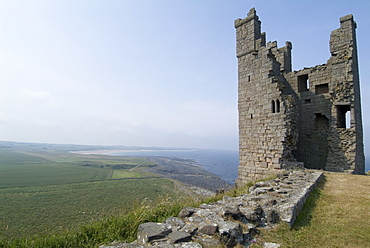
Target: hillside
<point>337,215</point>
<point>46,188</point>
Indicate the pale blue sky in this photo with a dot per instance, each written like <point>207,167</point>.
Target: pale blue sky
<point>147,72</point>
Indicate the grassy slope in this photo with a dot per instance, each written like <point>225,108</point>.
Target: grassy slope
<point>335,216</point>
<point>32,210</point>
<point>338,215</point>
<point>50,190</point>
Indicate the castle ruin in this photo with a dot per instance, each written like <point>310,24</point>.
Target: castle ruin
<point>287,119</point>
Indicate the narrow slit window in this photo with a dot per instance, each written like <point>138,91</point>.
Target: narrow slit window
<point>277,106</point>
<point>273,106</point>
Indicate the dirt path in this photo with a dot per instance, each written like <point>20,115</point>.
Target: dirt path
<point>137,166</point>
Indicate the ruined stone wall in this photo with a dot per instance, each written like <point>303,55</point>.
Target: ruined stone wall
<point>285,116</point>
<point>265,102</point>
<point>345,91</point>
<point>232,221</point>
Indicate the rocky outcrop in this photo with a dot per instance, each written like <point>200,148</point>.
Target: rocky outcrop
<point>232,220</point>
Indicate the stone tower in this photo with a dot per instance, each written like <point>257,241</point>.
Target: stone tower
<point>290,119</point>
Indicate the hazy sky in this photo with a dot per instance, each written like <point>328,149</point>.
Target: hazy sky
<point>148,72</point>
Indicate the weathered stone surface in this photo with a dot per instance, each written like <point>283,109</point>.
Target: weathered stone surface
<point>174,223</point>
<point>272,216</point>
<point>178,237</point>
<point>186,212</point>
<point>188,245</point>
<point>232,212</point>
<point>162,245</point>
<point>190,227</point>
<point>250,214</point>
<point>208,241</point>
<point>150,231</point>
<point>231,233</point>
<point>210,229</point>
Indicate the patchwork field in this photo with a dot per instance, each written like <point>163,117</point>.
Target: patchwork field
<point>48,190</point>
<point>26,168</point>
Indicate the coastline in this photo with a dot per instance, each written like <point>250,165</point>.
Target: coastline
<point>113,151</point>
<point>185,170</point>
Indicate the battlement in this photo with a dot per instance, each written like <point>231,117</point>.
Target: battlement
<point>252,14</point>
<point>248,35</point>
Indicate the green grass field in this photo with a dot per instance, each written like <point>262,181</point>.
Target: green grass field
<point>44,168</point>
<point>47,191</point>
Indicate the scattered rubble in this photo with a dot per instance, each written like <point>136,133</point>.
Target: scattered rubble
<point>233,220</point>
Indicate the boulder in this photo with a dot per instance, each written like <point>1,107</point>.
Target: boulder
<point>150,231</point>
<point>210,229</point>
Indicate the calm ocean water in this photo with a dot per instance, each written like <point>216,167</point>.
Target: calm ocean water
<point>220,162</point>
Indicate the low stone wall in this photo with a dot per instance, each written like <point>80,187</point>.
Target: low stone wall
<point>232,220</point>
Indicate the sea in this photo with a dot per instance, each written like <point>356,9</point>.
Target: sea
<point>223,163</point>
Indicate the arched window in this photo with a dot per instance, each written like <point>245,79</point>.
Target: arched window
<point>273,106</point>
<point>277,106</point>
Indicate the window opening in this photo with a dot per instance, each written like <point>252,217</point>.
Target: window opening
<point>343,116</point>
<point>251,116</point>
<point>277,106</point>
<point>307,100</point>
<point>303,83</point>
<point>273,106</point>
<point>321,89</point>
